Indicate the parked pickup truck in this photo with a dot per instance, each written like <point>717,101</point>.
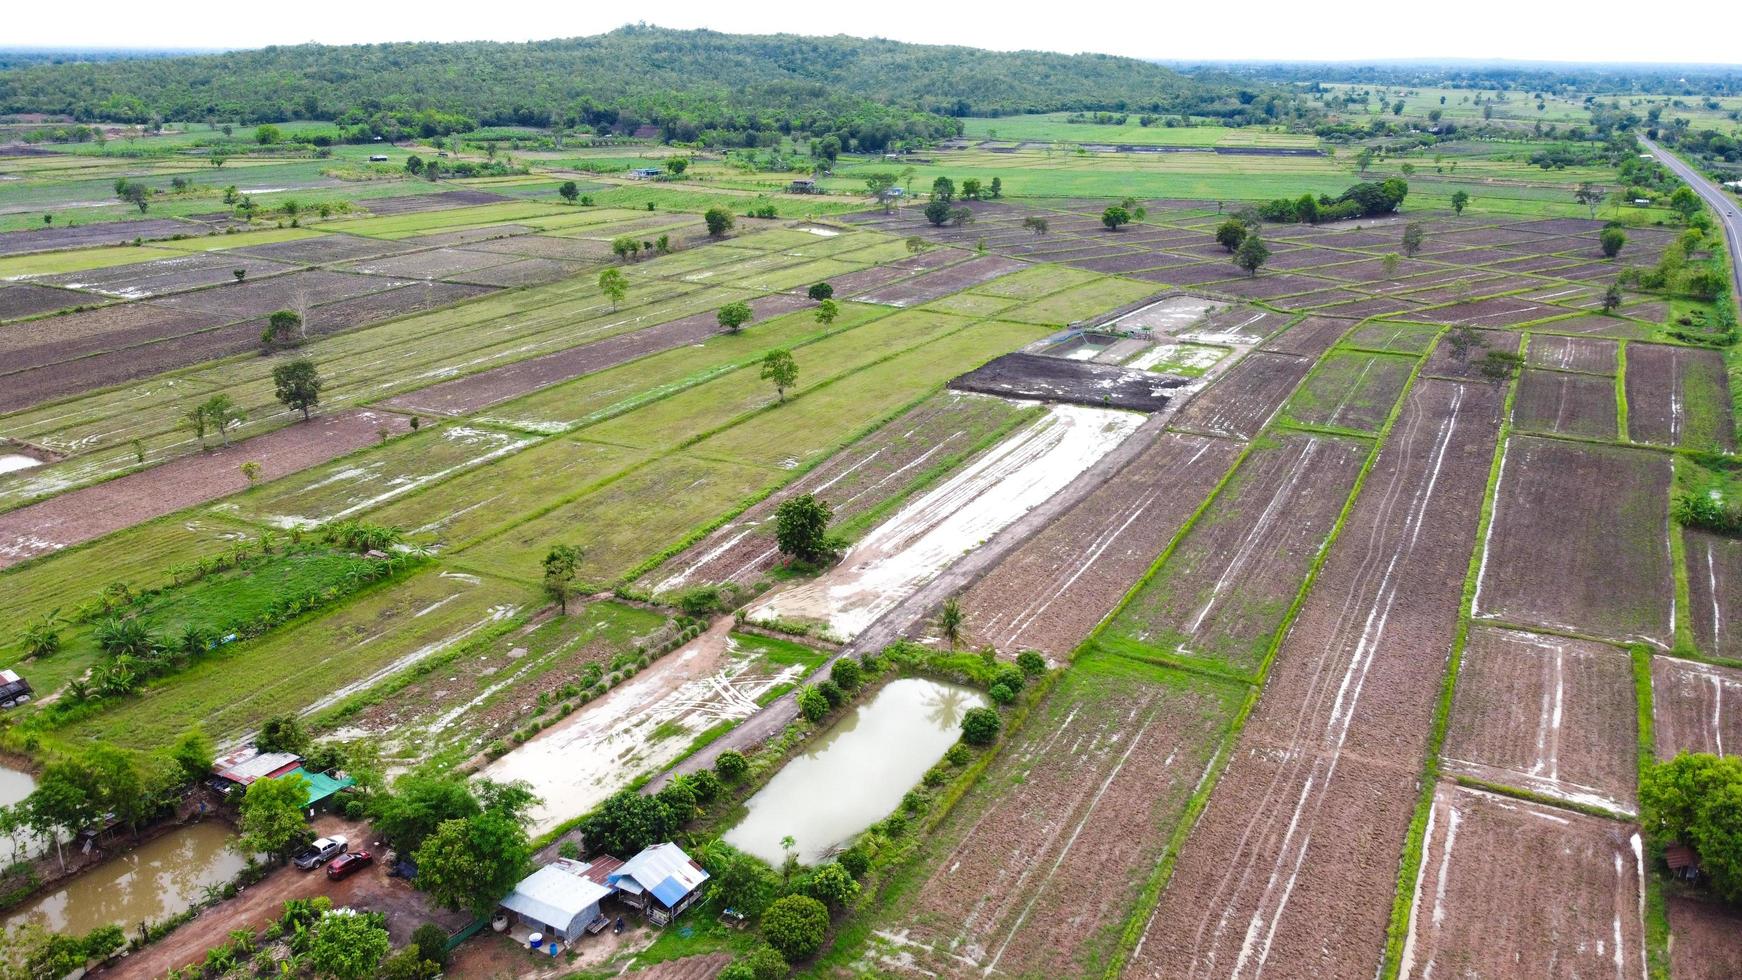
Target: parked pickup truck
<point>320,852</point>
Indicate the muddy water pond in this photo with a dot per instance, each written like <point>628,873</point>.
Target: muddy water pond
<point>15,785</point>
<point>855,773</point>
<point>153,881</point>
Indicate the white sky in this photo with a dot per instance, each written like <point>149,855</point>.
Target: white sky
<point>1555,30</point>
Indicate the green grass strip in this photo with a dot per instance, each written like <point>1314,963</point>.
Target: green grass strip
<point>1621,390</point>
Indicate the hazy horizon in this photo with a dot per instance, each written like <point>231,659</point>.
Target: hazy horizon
<point>1363,31</point>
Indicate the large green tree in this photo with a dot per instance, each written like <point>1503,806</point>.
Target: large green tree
<point>471,863</point>
<point>349,945</point>
<point>297,385</point>
<point>801,528</point>
<point>272,819</point>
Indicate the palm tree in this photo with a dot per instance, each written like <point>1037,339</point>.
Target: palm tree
<point>950,621</point>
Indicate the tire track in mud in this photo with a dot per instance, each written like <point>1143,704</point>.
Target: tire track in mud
<point>1294,874</point>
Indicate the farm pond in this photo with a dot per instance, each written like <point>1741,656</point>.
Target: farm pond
<point>855,773</point>
<point>158,879</point>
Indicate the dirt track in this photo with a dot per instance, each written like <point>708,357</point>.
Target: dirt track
<point>1291,868</point>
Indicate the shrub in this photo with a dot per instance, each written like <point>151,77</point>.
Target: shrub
<point>705,785</point>
<point>1001,693</point>
<point>832,693</point>
<point>731,766</point>
<point>795,926</point>
<point>812,704</point>
<point>855,860</point>
<point>1009,675</point>
<point>1031,663</point>
<point>833,885</point>
<point>980,726</point>
<point>958,755</point>
<point>846,674</point>
<point>821,291</point>
<point>761,963</point>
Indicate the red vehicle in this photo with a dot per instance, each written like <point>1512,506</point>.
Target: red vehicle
<point>344,864</point>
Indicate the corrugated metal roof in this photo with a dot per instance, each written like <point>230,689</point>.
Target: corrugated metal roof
<point>663,869</point>
<point>555,894</point>
<point>246,765</point>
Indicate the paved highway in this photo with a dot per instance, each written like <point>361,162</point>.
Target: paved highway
<point>1717,197</point>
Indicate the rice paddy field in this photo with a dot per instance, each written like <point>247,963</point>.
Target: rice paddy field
<point>1320,560</point>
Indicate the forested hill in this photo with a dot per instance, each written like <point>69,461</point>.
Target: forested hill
<point>683,81</point>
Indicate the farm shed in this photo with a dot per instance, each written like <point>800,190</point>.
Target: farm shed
<point>645,173</point>
<point>562,898</point>
<point>661,881</point>
<point>244,766</point>
<point>802,186</point>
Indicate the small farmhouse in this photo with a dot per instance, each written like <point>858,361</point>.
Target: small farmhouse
<point>661,881</point>
<point>561,899</point>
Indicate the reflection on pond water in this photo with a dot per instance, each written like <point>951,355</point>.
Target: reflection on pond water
<point>856,772</point>
<point>155,880</point>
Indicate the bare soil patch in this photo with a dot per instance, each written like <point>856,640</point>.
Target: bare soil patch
<point>414,203</point>
<point>1678,396</point>
<point>1445,362</point>
<point>1270,285</point>
<point>1694,707</point>
<point>297,290</point>
<point>1498,311</point>
<point>1377,306</point>
<point>522,272</point>
<point>1057,379</point>
<point>1051,592</point>
<point>1242,401</point>
<point>1294,862</point>
<point>1223,591</point>
<point>89,331</point>
<point>1548,714</point>
<point>468,236</point>
<point>1580,912</point>
<point>1566,404</point>
<point>1188,275</point>
<point>547,247</point>
<point>1310,337</point>
<point>160,277</point>
<point>100,233</point>
<point>1590,355</point>
<point>919,289</point>
<point>1702,940</point>
<point>334,247</point>
<point>1561,557</point>
<point>435,263</point>
<point>81,515</point>
<point>1714,568</point>
<point>25,299</point>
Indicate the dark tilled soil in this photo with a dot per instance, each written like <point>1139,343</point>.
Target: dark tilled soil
<point>1578,913</point>
<point>1055,379</point>
<point>1548,714</point>
<point>1223,591</point>
<point>943,282</point>
<point>1243,400</point>
<point>1566,404</point>
<point>1677,396</point>
<point>1593,356</point>
<point>101,233</point>
<point>24,299</point>
<point>1559,555</point>
<point>411,203</point>
<point>298,290</point>
<point>75,335</point>
<point>161,277</point>
<point>1052,591</point>
<point>1310,337</point>
<point>1301,842</point>
<point>1694,707</point>
<point>324,249</point>
<point>1714,566</point>
<point>1703,939</point>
